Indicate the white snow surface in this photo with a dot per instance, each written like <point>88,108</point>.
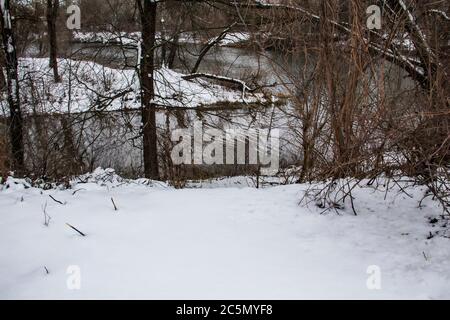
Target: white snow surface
<point>231,242</point>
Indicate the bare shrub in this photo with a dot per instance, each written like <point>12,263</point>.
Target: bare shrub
<point>4,152</point>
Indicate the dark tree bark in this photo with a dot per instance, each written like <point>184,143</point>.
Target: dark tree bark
<point>52,14</point>
<point>148,11</point>
<point>173,47</point>
<point>11,65</point>
<point>70,153</point>
<point>2,75</point>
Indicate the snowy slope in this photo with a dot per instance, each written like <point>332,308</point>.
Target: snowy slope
<point>215,243</point>
<point>88,86</point>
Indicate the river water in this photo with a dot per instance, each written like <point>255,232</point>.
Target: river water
<point>110,141</point>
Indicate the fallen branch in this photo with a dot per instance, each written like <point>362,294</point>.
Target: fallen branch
<point>114,204</point>
<point>81,233</point>
<point>243,86</point>
<point>57,201</point>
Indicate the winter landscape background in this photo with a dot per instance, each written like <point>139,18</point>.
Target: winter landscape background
<point>353,97</point>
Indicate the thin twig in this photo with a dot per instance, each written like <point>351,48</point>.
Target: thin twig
<point>81,233</point>
<point>73,193</point>
<point>114,204</point>
<point>57,201</point>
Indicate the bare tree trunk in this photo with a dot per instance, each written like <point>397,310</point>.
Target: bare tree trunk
<point>148,11</point>
<point>70,153</point>
<point>2,75</point>
<point>15,117</point>
<point>173,52</point>
<point>52,14</point>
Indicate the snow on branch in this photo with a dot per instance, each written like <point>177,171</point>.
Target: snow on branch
<point>243,86</point>
<point>416,28</point>
<point>439,12</point>
<point>392,52</point>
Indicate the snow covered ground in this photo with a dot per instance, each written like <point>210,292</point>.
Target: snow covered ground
<point>228,242</point>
